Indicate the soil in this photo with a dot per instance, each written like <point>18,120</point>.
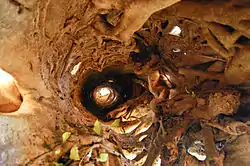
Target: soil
<point>174,89</point>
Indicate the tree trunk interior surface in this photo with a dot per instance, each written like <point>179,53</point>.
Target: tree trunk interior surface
<point>125,82</point>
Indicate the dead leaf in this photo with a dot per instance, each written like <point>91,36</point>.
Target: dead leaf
<point>103,157</point>
<point>97,127</point>
<point>74,153</point>
<point>116,123</point>
<point>66,136</point>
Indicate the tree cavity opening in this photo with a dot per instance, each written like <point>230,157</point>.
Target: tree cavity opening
<point>103,91</point>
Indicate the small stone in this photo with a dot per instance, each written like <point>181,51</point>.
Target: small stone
<point>220,145</point>
<point>197,150</point>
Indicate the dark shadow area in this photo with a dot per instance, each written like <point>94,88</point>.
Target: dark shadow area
<point>116,79</point>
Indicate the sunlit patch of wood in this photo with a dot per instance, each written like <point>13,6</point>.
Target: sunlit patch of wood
<point>10,98</point>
